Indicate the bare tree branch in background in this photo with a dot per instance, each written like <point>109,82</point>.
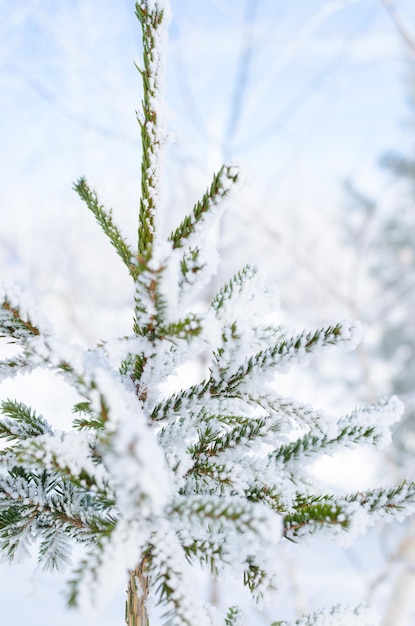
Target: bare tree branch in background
<point>295,44</point>
<point>57,103</point>
<point>400,24</point>
<point>242,74</point>
<point>400,603</point>
<point>309,88</point>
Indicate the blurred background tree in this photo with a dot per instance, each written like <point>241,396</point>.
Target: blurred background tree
<point>381,230</point>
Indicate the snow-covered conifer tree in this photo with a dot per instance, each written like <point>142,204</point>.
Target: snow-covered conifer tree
<point>153,482</point>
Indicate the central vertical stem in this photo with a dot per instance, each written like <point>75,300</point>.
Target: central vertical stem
<point>137,595</point>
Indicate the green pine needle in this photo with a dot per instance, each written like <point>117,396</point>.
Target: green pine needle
<point>21,421</point>
<point>105,220</point>
<point>218,189</point>
<point>13,324</point>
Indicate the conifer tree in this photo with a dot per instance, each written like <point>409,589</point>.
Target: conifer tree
<point>151,482</point>
<point>387,231</point>
<point>381,230</point>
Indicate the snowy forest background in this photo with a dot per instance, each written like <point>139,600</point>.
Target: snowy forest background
<point>305,96</point>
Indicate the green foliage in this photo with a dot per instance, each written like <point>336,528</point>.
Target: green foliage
<point>14,324</point>
<point>150,22</point>
<point>233,287</point>
<point>232,616</point>
<point>219,188</point>
<point>313,514</point>
<point>21,421</point>
<point>105,220</point>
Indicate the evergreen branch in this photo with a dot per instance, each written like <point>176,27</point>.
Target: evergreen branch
<point>233,287</point>
<point>17,530</point>
<point>191,264</point>
<point>153,27</point>
<point>105,220</point>
<point>211,442</point>
<point>186,328</point>
<point>205,552</point>
<point>54,549</point>
<point>20,364</point>
<point>382,414</point>
<point>233,616</point>
<point>92,419</point>
<point>56,502</point>
<point>55,453</point>
<point>179,400</point>
<point>387,502</point>
<point>149,303</point>
<point>14,324</point>
<point>207,390</point>
<point>206,478</point>
<point>267,495</point>
<point>282,353</point>
<point>218,189</point>
<point>21,421</point>
<point>170,577</point>
<point>199,428</point>
<point>93,423</point>
<point>86,576</point>
<point>99,521</point>
<point>287,410</point>
<point>170,591</point>
<point>254,577</point>
<point>205,442</point>
<point>243,515</point>
<point>314,513</point>
<point>311,513</point>
<point>75,365</point>
<point>311,444</point>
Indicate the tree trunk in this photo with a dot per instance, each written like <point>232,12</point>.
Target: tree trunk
<point>137,594</point>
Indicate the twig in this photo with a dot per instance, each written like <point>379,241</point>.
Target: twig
<point>400,24</point>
